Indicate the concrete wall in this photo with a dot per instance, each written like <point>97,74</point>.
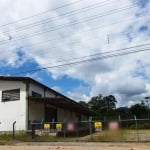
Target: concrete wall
<point>49,94</point>
<point>39,89</point>
<point>13,110</point>
<point>36,88</point>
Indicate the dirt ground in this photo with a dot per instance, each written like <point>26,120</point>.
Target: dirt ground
<point>78,146</point>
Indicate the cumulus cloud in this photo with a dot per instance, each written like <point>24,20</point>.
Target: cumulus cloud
<point>80,93</point>
<point>90,27</point>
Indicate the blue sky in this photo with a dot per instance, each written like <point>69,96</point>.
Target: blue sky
<point>34,35</point>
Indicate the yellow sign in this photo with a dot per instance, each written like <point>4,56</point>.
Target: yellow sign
<point>46,126</point>
<point>98,124</point>
<point>59,126</point>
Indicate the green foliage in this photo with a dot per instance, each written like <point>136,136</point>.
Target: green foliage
<point>145,125</point>
<point>139,110</point>
<point>84,104</point>
<point>101,106</point>
<point>106,107</point>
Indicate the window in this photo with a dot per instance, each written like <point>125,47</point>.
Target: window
<point>35,94</point>
<point>11,95</point>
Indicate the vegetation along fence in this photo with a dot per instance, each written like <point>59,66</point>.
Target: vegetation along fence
<point>131,130</point>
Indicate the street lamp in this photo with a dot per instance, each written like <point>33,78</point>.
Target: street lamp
<point>147,98</point>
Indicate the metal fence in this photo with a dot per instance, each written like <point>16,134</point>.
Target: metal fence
<point>130,130</point>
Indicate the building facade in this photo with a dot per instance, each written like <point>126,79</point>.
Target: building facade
<point>25,100</point>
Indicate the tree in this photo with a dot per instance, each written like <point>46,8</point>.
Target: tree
<point>96,103</point>
<point>110,102</point>
<point>123,112</point>
<point>139,110</point>
<point>103,106</point>
<point>84,104</point>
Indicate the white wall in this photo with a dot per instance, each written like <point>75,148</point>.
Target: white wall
<point>40,90</point>
<point>13,110</point>
<point>36,88</point>
<point>48,93</point>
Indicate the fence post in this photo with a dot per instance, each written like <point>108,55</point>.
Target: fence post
<point>53,121</point>
<point>33,131</point>
<point>90,126</point>
<point>64,128</point>
<point>136,127</point>
<point>76,126</point>
<point>105,128</point>
<point>14,129</point>
<point>120,129</point>
<point>42,124</point>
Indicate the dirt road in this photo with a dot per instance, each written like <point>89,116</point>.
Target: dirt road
<point>78,146</point>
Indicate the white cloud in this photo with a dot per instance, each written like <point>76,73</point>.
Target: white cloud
<point>79,93</point>
<point>127,77</point>
<point>57,88</point>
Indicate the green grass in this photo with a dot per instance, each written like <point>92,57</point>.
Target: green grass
<point>104,136</point>
<point>8,138</point>
<point>5,139</point>
<point>122,136</point>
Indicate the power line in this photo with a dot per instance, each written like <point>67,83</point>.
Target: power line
<point>84,31</point>
<point>87,8</point>
<point>51,40</point>
<point>92,55</point>
<point>48,51</point>
<point>83,61</point>
<point>38,14</point>
<point>54,47</point>
<point>89,39</point>
<point>143,46</point>
<point>74,23</point>
<point>120,52</point>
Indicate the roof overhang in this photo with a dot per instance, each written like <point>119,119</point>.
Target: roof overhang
<point>62,103</point>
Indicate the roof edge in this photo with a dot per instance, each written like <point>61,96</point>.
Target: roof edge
<point>29,79</point>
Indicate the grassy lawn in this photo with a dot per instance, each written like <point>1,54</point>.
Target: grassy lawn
<point>8,139</point>
<point>122,135</point>
<point>104,136</point>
